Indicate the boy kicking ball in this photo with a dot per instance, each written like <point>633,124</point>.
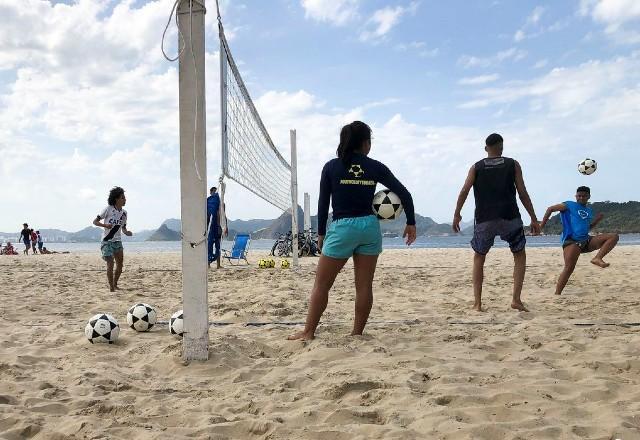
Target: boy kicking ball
<point>577,220</point>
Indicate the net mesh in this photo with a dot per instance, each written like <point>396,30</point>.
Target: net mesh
<point>249,156</point>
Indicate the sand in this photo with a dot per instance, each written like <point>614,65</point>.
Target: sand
<point>433,375</point>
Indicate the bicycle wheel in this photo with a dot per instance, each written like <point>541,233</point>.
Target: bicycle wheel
<point>275,246</point>
<point>283,249</point>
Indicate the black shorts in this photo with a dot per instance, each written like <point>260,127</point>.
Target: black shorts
<point>510,231</point>
<point>583,244</point>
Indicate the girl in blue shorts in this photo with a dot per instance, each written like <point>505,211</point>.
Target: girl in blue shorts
<point>349,181</point>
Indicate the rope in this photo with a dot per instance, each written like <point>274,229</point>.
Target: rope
<point>396,322</point>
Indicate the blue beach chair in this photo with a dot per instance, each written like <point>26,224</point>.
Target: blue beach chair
<point>240,249</point>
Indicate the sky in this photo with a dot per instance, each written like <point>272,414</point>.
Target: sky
<point>87,100</point>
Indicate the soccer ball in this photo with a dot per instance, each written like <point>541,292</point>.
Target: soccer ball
<point>587,167</point>
<point>176,324</point>
<point>141,317</point>
<point>285,264</point>
<point>263,264</point>
<point>102,328</point>
<point>272,262</point>
<point>387,205</point>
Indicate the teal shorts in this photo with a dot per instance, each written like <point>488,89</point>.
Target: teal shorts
<point>110,247</point>
<point>354,235</point>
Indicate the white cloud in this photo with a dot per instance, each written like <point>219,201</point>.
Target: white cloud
<point>563,92</point>
<point>335,12</point>
<point>385,19</point>
<point>468,61</point>
<point>540,64</point>
<point>475,80</point>
<point>616,15</point>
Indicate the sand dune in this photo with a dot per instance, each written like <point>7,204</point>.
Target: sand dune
<point>431,374</point>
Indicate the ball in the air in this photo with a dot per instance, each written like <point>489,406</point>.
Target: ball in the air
<point>176,324</point>
<point>587,167</point>
<point>263,264</point>
<point>387,205</point>
<point>141,317</point>
<point>284,264</point>
<point>102,328</point>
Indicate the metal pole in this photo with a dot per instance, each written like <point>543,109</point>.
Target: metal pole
<point>224,155</point>
<point>193,181</point>
<point>307,213</point>
<point>294,195</point>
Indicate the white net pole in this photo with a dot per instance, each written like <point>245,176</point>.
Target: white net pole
<point>223,125</point>
<point>193,180</point>
<point>294,196</point>
<point>307,214</point>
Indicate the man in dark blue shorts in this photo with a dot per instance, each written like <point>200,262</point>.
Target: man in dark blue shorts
<point>495,181</point>
<point>577,220</point>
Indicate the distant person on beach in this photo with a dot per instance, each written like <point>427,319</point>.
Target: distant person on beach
<point>9,249</point>
<point>46,251</point>
<point>25,237</point>
<point>214,226</point>
<point>113,219</point>
<point>577,220</point>
<point>349,181</point>
<point>495,181</point>
<point>34,240</point>
<point>40,242</point>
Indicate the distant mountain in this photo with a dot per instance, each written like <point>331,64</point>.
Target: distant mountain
<point>619,217</point>
<point>622,218</point>
<point>281,225</point>
<point>173,223</point>
<point>165,234</point>
<point>88,234</point>
<point>235,226</point>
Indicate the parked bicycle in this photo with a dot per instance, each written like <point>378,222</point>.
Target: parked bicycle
<point>307,245</point>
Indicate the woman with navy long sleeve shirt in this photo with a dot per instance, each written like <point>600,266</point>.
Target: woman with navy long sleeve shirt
<point>349,182</point>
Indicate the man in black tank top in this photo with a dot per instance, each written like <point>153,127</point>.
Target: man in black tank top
<point>495,181</point>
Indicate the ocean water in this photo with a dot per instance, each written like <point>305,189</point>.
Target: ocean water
<point>453,241</point>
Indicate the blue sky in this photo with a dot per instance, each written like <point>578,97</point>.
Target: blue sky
<point>87,101</point>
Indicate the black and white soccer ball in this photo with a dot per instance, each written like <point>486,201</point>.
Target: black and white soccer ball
<point>587,167</point>
<point>141,317</point>
<point>387,205</point>
<point>176,324</point>
<point>102,328</point>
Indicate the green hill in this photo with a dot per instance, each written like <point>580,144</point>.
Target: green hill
<point>623,218</point>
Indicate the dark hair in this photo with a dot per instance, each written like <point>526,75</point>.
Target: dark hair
<point>351,138</point>
<point>114,194</point>
<point>583,189</point>
<point>212,188</point>
<point>37,232</point>
<point>493,139</point>
<point>24,224</point>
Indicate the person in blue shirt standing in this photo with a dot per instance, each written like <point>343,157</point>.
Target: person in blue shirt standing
<point>577,220</point>
<point>215,230</point>
<point>349,183</point>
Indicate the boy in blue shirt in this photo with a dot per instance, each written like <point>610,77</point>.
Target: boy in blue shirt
<point>577,220</point>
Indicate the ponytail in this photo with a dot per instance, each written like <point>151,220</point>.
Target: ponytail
<point>352,137</point>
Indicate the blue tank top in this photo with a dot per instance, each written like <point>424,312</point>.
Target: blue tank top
<point>576,221</point>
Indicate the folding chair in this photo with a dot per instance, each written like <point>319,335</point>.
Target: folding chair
<point>240,249</point>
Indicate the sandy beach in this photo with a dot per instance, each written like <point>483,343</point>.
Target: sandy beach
<point>428,367</point>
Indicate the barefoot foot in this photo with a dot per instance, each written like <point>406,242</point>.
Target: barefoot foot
<point>304,336</point>
<point>517,305</point>
<point>599,262</point>
<point>478,308</point>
